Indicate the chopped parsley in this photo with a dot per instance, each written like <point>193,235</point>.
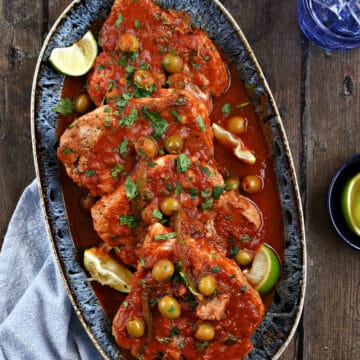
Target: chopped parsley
<point>165,236</point>
<point>123,147</point>
<point>128,220</point>
<point>137,24</point>
<point>178,189</point>
<point>234,251</point>
<point>244,238</point>
<point>174,331</point>
<point>201,123</point>
<point>207,204</point>
<point>116,170</point>
<point>127,121</point>
<point>66,151</point>
<point>193,192</point>
<point>217,191</point>
<point>64,106</point>
<point>215,269</point>
<point>90,173</point>
<point>157,214</point>
<point>206,171</point>
<point>131,189</point>
<point>119,20</point>
<point>226,108</point>
<point>205,193</point>
<point>176,115</point>
<point>158,123</point>
<point>182,163</point>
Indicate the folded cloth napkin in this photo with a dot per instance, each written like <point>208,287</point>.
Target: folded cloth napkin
<point>37,320</point>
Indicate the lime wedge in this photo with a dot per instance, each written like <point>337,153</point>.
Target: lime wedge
<point>350,203</point>
<point>106,270</point>
<point>77,59</point>
<point>265,270</point>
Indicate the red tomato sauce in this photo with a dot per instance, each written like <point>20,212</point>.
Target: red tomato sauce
<point>267,200</point>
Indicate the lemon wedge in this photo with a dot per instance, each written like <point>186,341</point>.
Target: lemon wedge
<point>350,203</point>
<point>106,270</point>
<point>265,270</point>
<point>77,59</point>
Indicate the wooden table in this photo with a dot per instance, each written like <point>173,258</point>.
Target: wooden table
<point>319,98</point>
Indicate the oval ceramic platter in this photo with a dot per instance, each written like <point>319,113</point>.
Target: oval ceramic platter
<point>282,318</point>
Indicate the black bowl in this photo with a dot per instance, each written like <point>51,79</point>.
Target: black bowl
<point>344,173</point>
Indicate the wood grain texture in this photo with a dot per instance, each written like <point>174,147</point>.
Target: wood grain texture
<point>319,99</point>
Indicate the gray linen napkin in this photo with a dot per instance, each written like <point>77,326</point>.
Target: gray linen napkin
<point>37,320</point>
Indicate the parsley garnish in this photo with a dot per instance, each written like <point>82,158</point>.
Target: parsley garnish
<point>131,189</point>
<point>64,106</point>
<point>127,121</point>
<point>206,171</point>
<point>165,236</point>
<point>119,20</point>
<point>123,147</point>
<point>67,151</point>
<point>157,214</point>
<point>128,220</point>
<point>182,163</point>
<point>116,170</point>
<point>201,123</point>
<point>89,173</point>
<point>215,269</point>
<point>176,115</point>
<point>226,108</point>
<point>158,123</point>
<point>193,192</point>
<point>217,191</point>
<point>206,205</point>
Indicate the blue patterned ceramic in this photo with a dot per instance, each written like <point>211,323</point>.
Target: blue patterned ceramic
<point>281,320</point>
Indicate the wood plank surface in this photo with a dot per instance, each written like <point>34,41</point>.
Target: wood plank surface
<point>319,100</point>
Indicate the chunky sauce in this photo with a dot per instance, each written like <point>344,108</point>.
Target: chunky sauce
<point>267,199</point>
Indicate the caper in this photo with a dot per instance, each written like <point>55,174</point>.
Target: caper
<point>163,270</point>
<point>174,144</point>
<point>169,307</point>
<point>135,328</point>
<point>207,285</point>
<point>169,205</point>
<point>236,125</point>
<point>82,103</point>
<point>143,78</point>
<point>244,257</point>
<point>204,332</point>
<point>232,183</point>
<point>251,184</point>
<point>146,147</point>
<point>128,43</point>
<point>172,63</point>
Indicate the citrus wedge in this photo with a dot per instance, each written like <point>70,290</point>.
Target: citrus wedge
<point>350,203</point>
<point>106,270</point>
<point>77,59</point>
<point>265,270</point>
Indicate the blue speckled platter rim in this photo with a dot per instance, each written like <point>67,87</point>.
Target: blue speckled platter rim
<point>280,322</point>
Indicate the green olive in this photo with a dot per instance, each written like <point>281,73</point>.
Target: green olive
<point>169,205</point>
<point>82,103</point>
<point>169,307</point>
<point>251,184</point>
<point>163,270</point>
<point>244,257</point>
<point>135,328</point>
<point>204,332</point>
<point>172,63</point>
<point>207,285</point>
<point>143,78</point>
<point>232,183</point>
<point>146,147</point>
<point>236,125</point>
<point>128,43</point>
<point>174,144</point>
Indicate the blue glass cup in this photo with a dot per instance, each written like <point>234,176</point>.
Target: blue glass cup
<point>334,25</point>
